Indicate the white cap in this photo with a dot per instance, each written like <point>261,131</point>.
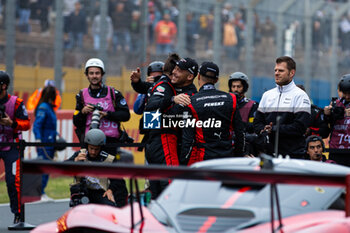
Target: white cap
<point>95,62</point>
<point>49,82</point>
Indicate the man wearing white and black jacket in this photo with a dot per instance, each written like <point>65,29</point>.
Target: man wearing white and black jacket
<point>290,103</point>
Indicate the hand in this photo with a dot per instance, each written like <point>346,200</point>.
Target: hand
<point>308,132</point>
<point>327,110</point>
<point>182,99</point>
<point>81,156</point>
<point>249,156</point>
<point>109,195</point>
<point>347,112</point>
<point>6,120</point>
<point>267,128</point>
<point>87,109</point>
<point>150,79</point>
<point>135,75</point>
<point>103,114</point>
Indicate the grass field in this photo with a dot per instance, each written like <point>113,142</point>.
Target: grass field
<point>57,188</point>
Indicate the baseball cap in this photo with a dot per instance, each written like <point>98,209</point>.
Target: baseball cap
<point>208,66</point>
<point>188,64</point>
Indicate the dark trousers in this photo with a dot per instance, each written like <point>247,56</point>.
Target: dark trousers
<point>12,177</point>
<point>161,149</point>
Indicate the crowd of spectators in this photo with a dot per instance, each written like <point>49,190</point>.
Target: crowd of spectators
<point>82,25</point>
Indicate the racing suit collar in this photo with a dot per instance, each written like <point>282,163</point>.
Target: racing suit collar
<point>287,87</point>
<point>164,77</point>
<point>182,89</point>
<point>156,78</point>
<point>207,86</point>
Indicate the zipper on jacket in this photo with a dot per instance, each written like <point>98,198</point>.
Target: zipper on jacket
<point>279,99</point>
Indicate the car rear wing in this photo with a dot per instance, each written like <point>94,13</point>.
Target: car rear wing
<point>189,173</point>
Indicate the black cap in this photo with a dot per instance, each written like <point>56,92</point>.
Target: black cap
<point>188,64</point>
<point>208,66</point>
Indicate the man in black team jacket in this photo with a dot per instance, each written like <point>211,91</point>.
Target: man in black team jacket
<point>208,134</point>
<point>154,72</point>
<point>162,146</point>
<point>183,76</point>
<point>159,146</point>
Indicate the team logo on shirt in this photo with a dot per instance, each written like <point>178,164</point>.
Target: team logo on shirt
<point>160,89</point>
<point>151,120</point>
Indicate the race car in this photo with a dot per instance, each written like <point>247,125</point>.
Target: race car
<point>222,195</point>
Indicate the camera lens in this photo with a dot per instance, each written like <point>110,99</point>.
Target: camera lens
<point>95,120</point>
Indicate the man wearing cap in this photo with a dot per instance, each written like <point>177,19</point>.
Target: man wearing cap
<point>212,121</point>
<point>162,144</point>
<point>115,108</point>
<point>183,76</point>
<point>185,72</point>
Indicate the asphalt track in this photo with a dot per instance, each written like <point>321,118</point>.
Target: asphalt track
<point>35,213</point>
